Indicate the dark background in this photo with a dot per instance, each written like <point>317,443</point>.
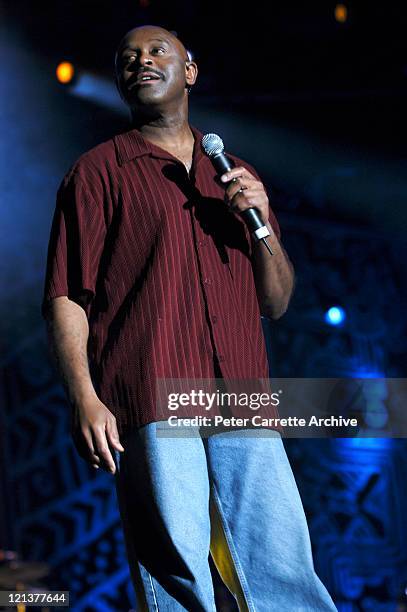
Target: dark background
<point>318,107</point>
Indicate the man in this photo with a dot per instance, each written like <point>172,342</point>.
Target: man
<point>152,275</point>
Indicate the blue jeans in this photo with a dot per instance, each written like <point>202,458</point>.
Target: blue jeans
<point>232,495</point>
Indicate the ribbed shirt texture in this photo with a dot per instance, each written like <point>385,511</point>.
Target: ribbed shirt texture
<point>162,269</point>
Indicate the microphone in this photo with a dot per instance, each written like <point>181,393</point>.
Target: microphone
<point>213,146</point>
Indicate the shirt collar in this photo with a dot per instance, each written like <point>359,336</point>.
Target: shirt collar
<point>132,144</point>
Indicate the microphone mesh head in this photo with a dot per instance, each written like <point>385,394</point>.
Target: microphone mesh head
<point>212,144</point>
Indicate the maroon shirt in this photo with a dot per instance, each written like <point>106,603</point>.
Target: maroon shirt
<point>162,269</point>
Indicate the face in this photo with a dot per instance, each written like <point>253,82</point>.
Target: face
<point>152,67</point>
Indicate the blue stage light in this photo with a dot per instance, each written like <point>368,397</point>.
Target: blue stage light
<point>335,315</point>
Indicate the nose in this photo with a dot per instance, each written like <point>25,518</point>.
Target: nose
<point>145,59</point>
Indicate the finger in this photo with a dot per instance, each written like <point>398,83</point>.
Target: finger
<point>247,181</point>
<point>239,186</point>
<point>251,193</point>
<point>103,449</point>
<point>243,197</point>
<point>237,172</point>
<point>234,191</point>
<point>252,200</point>
<point>90,448</point>
<point>113,435</point>
<point>250,196</point>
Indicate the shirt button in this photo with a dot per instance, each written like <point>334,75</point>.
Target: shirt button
<point>214,319</point>
<point>202,243</point>
<point>221,358</point>
<point>207,281</point>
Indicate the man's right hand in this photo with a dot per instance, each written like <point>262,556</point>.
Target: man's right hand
<point>95,429</point>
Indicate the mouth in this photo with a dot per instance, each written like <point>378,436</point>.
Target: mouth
<point>147,78</point>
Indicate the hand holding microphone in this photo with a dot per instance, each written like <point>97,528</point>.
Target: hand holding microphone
<point>245,193</point>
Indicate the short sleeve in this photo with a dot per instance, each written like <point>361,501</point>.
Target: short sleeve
<point>76,242</point>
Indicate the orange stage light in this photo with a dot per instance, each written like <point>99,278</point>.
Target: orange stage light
<point>341,13</point>
<point>65,72</point>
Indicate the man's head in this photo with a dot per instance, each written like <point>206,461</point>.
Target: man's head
<point>153,69</point>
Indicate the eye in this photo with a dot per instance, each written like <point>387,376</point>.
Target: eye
<point>127,59</point>
<point>158,50</point>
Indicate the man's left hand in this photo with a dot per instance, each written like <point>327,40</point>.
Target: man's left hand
<point>245,192</point>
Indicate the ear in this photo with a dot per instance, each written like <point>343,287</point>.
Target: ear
<point>191,73</point>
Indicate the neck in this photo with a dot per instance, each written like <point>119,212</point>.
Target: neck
<point>165,130</point>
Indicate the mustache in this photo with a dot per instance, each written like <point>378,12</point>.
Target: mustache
<point>133,79</point>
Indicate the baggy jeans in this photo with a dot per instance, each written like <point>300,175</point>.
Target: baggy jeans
<point>232,495</point>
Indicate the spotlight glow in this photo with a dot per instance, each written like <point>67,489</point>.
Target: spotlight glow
<point>65,72</point>
<point>335,315</point>
<point>341,13</point>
